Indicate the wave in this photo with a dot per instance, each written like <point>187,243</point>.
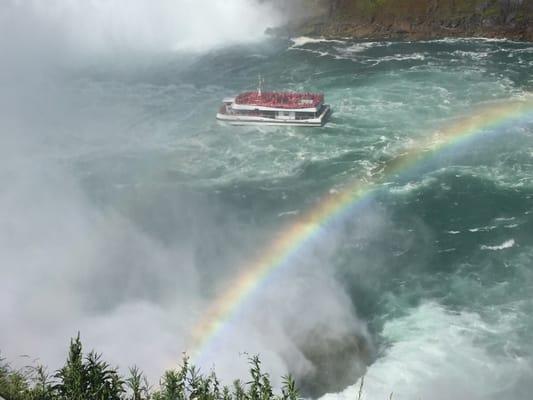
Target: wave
<point>398,57</point>
<point>473,39</point>
<point>413,186</point>
<point>362,46</point>
<point>482,229</point>
<point>505,245</point>
<point>303,40</point>
<point>476,55</point>
<point>319,53</point>
<point>436,354</point>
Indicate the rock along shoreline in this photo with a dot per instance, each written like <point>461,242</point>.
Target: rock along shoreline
<point>398,31</point>
<point>417,19</point>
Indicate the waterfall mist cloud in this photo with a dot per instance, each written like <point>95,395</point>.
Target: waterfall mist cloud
<point>300,323</point>
<point>140,25</point>
<point>70,260</point>
<point>69,266</point>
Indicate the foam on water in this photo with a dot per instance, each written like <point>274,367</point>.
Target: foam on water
<point>303,40</point>
<point>362,46</point>
<point>436,353</point>
<point>505,245</point>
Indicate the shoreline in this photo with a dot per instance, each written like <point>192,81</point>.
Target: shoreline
<point>417,32</point>
<point>396,31</point>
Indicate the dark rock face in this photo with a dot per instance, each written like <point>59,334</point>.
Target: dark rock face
<point>337,362</point>
<point>419,19</point>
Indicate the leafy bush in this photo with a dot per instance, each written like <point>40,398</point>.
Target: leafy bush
<point>88,377</point>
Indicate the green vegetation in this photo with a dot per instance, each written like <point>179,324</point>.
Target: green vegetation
<point>420,19</point>
<point>88,377</point>
<point>404,8</point>
<point>427,9</point>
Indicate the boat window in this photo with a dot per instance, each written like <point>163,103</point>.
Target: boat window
<point>304,115</point>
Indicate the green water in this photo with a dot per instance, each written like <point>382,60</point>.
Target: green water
<point>432,278</point>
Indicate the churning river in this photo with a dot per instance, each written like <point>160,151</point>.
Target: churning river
<point>150,210</point>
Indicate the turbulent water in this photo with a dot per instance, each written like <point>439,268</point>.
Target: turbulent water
<point>434,277</point>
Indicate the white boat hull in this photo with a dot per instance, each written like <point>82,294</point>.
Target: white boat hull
<point>251,120</point>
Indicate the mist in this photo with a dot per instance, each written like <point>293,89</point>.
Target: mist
<point>141,25</point>
<point>94,242</point>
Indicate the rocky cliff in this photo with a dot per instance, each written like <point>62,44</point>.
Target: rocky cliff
<point>417,19</point>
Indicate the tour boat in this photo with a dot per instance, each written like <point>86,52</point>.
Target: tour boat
<point>275,108</point>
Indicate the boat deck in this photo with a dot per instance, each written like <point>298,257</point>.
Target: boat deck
<point>284,100</point>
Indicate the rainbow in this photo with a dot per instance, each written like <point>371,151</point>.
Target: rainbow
<point>490,120</point>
